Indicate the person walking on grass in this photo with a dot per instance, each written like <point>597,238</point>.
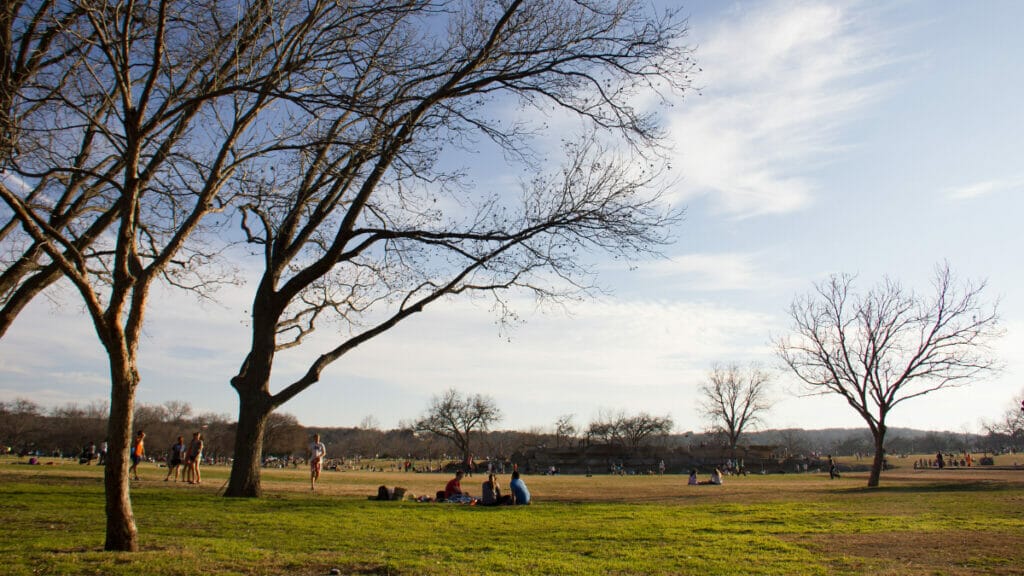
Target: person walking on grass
<point>138,452</point>
<point>192,459</point>
<point>176,460</point>
<point>317,451</point>
<point>833,471</point>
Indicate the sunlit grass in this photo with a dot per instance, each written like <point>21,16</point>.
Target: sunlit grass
<point>792,524</point>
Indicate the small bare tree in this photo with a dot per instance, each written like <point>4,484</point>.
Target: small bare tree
<point>565,428</point>
<point>880,349</point>
<point>457,417</point>
<point>734,398</point>
<point>1011,423</point>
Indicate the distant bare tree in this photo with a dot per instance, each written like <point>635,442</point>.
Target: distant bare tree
<point>794,441</point>
<point>284,435</point>
<point>97,409</point>
<point>177,411</point>
<point>565,428</point>
<point>640,428</point>
<point>733,399</point>
<point>882,348</point>
<point>146,415</point>
<point>457,418</point>
<point>621,429</point>
<point>19,422</point>
<point>604,428</point>
<point>1011,423</point>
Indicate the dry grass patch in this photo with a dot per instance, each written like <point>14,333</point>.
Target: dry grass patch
<point>901,553</point>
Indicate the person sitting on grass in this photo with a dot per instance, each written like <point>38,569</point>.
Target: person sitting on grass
<point>716,478</point>
<point>693,478</point>
<point>520,493</point>
<point>491,493</point>
<point>453,490</point>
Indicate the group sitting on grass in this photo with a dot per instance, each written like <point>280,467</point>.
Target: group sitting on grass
<point>716,478</point>
<point>491,493</point>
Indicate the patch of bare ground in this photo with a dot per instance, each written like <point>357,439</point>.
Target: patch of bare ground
<point>670,488</point>
<point>903,553</point>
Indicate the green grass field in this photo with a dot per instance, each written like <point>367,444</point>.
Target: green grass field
<point>929,522</point>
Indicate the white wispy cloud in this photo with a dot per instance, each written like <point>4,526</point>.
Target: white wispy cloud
<point>984,188</point>
<point>713,272</point>
<point>779,80</point>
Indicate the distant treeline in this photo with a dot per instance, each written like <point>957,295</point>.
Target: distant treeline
<point>27,427</point>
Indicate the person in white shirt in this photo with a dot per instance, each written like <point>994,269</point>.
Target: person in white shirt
<point>317,451</point>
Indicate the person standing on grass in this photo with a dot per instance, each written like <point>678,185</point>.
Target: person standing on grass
<point>192,459</point>
<point>520,493</point>
<point>176,459</point>
<point>317,451</point>
<point>138,451</point>
<point>833,472</point>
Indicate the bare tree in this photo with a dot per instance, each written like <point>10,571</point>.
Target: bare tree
<point>565,428</point>
<point>640,428</point>
<point>733,399</point>
<point>19,422</point>
<point>882,348</point>
<point>604,428</point>
<point>1011,423</point>
<point>177,410</point>
<point>284,434</point>
<point>39,57</point>
<point>357,219</point>
<point>457,418</point>
<point>621,429</point>
<point>168,103</point>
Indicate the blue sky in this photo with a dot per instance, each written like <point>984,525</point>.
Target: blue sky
<point>876,139</point>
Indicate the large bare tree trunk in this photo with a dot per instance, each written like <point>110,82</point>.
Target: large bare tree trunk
<point>876,466</point>
<point>253,411</point>
<point>121,532</point>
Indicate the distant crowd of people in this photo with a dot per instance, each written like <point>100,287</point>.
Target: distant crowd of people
<point>965,460</point>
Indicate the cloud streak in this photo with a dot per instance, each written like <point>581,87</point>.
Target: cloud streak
<point>714,272</point>
<point>985,188</point>
<point>780,80</point>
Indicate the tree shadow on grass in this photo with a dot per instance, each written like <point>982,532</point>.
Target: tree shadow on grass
<point>931,488</point>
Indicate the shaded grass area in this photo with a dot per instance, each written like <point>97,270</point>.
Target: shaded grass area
<point>53,522</point>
